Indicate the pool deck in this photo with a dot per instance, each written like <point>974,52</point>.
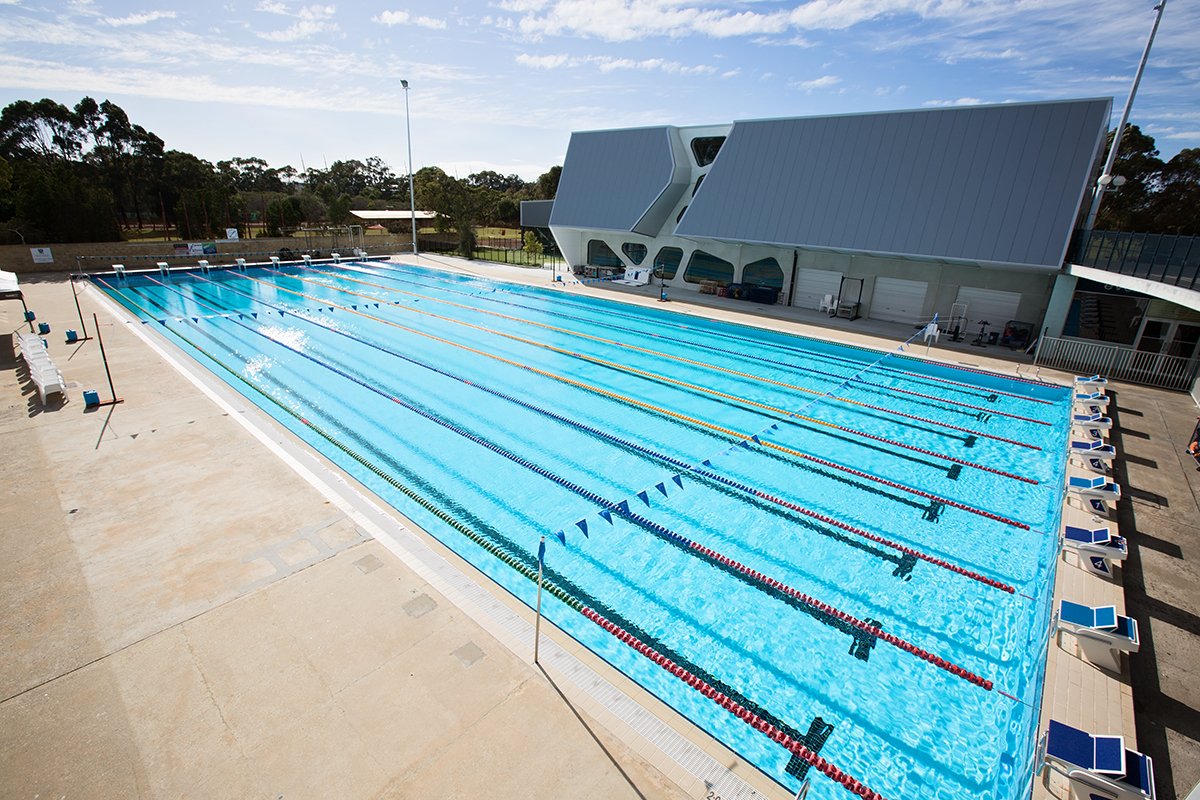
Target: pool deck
<point>222,615</point>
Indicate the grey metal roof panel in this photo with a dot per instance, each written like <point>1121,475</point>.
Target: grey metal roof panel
<point>996,184</point>
<point>610,179</point>
<point>536,213</point>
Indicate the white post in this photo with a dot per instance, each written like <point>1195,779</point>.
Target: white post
<point>537,625</point>
<point>412,197</point>
<point>1106,173</point>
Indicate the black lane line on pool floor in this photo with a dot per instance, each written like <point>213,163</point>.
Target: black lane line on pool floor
<point>931,513</point>
<point>509,553</point>
<point>905,561</point>
<point>790,417</point>
<point>964,388</point>
<point>890,416</point>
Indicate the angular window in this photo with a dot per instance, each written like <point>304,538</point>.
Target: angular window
<point>699,181</point>
<point>682,211</point>
<point>705,149</point>
<point>764,272</point>
<point>666,263</point>
<point>601,255</point>
<point>704,266</point>
<point>634,251</point>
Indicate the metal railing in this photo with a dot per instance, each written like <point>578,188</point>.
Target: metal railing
<point>1118,363</point>
<point>521,258</point>
<point>1157,257</point>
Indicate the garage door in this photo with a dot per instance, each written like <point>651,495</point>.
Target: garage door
<point>813,284</point>
<point>897,300</point>
<point>995,307</point>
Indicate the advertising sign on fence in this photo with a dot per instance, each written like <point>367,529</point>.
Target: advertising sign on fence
<point>41,255</point>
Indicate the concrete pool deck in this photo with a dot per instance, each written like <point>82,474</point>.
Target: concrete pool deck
<point>185,617</point>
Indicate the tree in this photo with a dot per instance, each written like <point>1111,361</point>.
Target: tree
<point>1178,208</point>
<point>1130,208</point>
<point>339,210</point>
<point>533,246</point>
<point>546,186</point>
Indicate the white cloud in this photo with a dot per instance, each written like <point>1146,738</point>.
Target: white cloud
<point>392,18</point>
<point>962,101</point>
<point>139,19</point>
<point>310,21</point>
<point>823,82</point>
<point>612,64</point>
<point>543,62</point>
<point>271,7</point>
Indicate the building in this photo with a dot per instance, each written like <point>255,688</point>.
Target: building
<point>897,215</point>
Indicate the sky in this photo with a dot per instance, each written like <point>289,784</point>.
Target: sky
<point>500,84</point>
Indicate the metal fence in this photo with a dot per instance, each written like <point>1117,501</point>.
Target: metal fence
<point>522,258</point>
<point>1156,257</point>
<point>1118,363</point>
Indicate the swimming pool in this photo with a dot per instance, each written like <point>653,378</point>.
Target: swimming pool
<point>839,566</point>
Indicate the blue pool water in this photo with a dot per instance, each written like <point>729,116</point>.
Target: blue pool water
<point>920,498</point>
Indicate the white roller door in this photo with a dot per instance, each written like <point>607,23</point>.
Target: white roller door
<point>989,305</point>
<point>813,284</point>
<point>898,300</point>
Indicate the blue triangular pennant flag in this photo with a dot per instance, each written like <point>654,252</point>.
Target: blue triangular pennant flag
<point>678,480</point>
<point>562,537</point>
<point>354,307</point>
<point>606,515</point>
<point>744,443</point>
<point>624,506</point>
<point>582,526</point>
<point>662,487</point>
<point>645,498</point>
<point>756,439</point>
<point>706,463</point>
<point>254,314</point>
<point>542,551</point>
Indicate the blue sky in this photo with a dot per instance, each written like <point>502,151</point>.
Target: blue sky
<point>500,84</point>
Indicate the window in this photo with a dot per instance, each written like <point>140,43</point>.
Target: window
<point>704,266</point>
<point>636,252</point>
<point>601,255</point>
<point>705,149</point>
<point>1113,318</point>
<point>699,181</point>
<point>682,211</point>
<point>666,263</point>
<point>764,272</point>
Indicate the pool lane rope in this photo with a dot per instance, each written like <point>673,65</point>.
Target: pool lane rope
<point>681,359</point>
<point>786,414</point>
<point>738,437</point>
<point>705,688</point>
<point>621,508</point>
<point>681,326</point>
<point>983,412</point>
<point>634,446</point>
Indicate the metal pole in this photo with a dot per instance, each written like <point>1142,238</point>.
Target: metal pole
<point>537,625</point>
<point>1098,192</point>
<point>104,358</point>
<point>79,311</point>
<point>412,197</point>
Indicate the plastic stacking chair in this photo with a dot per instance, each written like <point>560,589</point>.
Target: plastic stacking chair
<point>1102,633</point>
<point>1098,767</point>
<point>827,305</point>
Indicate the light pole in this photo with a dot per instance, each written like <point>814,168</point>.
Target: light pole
<point>1106,176</point>
<point>412,197</point>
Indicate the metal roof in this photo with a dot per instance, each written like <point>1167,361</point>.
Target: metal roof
<point>536,213</point>
<point>996,184</point>
<point>611,179</point>
<point>390,214</point>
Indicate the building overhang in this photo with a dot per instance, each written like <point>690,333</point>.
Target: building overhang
<point>1188,298</point>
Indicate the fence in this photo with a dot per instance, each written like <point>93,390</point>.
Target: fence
<point>1118,363</point>
<point>1156,257</point>
<point>504,255</point>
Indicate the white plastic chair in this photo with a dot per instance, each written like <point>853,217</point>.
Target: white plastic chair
<point>827,305</point>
